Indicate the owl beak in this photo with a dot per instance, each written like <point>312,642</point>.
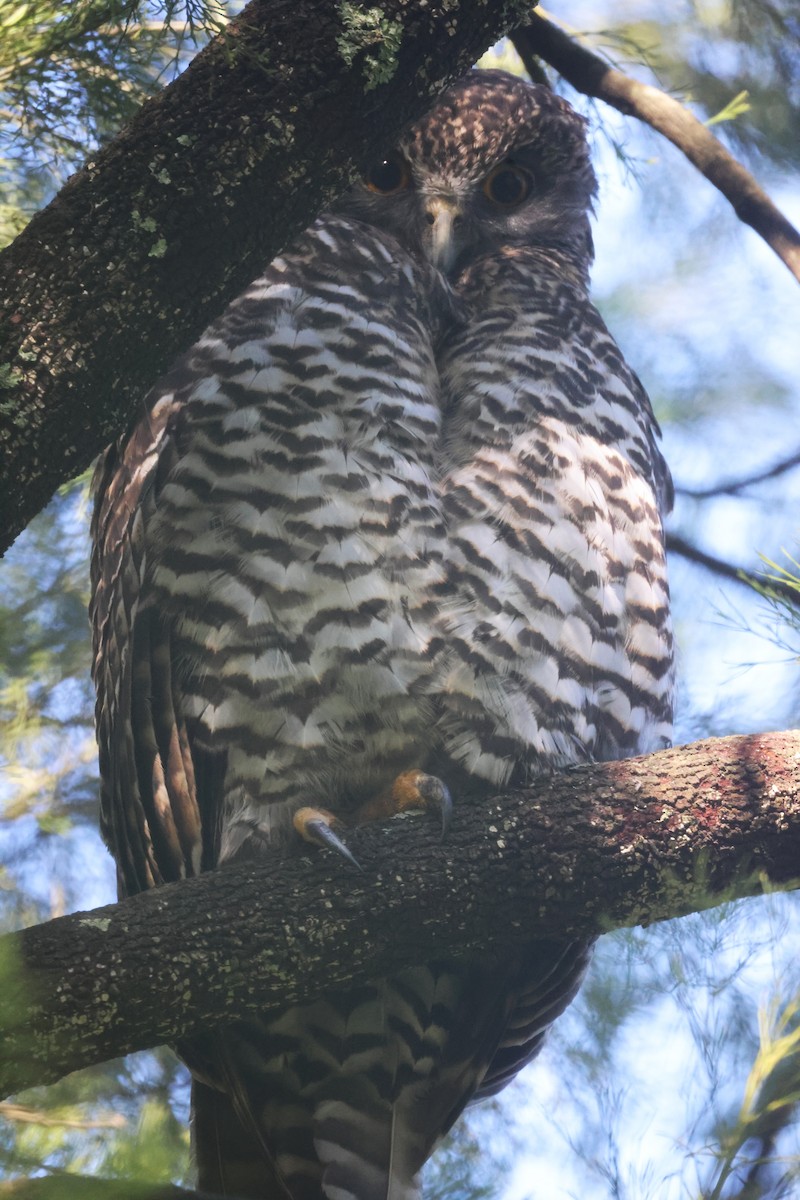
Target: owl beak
<point>442,216</point>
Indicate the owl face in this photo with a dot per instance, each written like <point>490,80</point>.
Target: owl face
<point>497,162</point>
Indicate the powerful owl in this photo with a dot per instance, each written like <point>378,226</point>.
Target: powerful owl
<point>389,533</point>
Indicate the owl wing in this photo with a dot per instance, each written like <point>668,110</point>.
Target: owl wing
<point>183,511</point>
<point>148,798</point>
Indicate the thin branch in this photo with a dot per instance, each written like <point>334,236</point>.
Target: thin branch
<point>581,852</point>
<point>734,486</point>
<point>26,1115</point>
<point>761,581</point>
<point>588,73</point>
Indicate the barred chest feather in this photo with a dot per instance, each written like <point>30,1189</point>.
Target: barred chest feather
<point>552,496</point>
<point>371,562</point>
<point>299,539</point>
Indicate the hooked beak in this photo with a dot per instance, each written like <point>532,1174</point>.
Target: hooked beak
<point>442,215</point>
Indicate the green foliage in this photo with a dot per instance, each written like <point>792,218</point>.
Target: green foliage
<point>735,108</point>
<point>118,1121</point>
<point>46,735</point>
<point>710,53</point>
<point>785,577</point>
<point>662,1047</point>
<point>371,32</point>
<point>771,1094</point>
<point>72,74</point>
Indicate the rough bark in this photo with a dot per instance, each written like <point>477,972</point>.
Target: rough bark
<point>145,245</point>
<point>582,852</point>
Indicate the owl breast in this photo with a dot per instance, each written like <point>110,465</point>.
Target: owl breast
<point>298,541</point>
<point>558,625</point>
<point>409,562</point>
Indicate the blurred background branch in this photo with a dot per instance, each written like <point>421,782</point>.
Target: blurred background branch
<point>588,73</point>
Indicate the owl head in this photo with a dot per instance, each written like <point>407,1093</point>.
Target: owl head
<point>496,162</point>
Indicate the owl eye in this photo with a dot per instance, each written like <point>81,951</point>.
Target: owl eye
<point>507,185</point>
<point>388,176</point>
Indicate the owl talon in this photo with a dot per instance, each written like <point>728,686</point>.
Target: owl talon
<point>315,825</point>
<point>415,789</point>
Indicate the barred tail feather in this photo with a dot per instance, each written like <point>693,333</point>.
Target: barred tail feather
<point>359,1155</point>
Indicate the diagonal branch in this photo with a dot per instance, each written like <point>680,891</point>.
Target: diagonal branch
<point>145,246</point>
<point>588,73</point>
<point>583,851</point>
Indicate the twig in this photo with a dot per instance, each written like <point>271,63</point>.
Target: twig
<point>588,73</point>
<point>758,580</point>
<point>734,486</point>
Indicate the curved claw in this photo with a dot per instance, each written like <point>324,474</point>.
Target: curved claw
<point>415,789</point>
<point>436,795</point>
<point>315,825</point>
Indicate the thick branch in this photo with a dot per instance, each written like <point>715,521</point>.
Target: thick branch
<point>145,245</point>
<point>584,851</point>
<point>588,73</point>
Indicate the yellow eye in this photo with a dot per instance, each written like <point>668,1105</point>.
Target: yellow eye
<point>507,185</point>
<point>388,176</point>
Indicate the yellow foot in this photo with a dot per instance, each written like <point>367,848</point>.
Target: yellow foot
<point>416,790</point>
<point>315,825</point>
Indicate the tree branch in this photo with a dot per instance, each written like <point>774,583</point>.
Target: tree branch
<point>583,851</point>
<point>588,73</point>
<point>732,487</point>
<point>145,245</point>
<point>761,581</point>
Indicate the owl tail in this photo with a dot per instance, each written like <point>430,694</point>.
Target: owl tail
<point>260,1139</point>
<point>437,1031</point>
<point>345,1098</point>
<point>364,1157</point>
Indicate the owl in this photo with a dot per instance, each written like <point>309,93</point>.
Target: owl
<point>388,536</point>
